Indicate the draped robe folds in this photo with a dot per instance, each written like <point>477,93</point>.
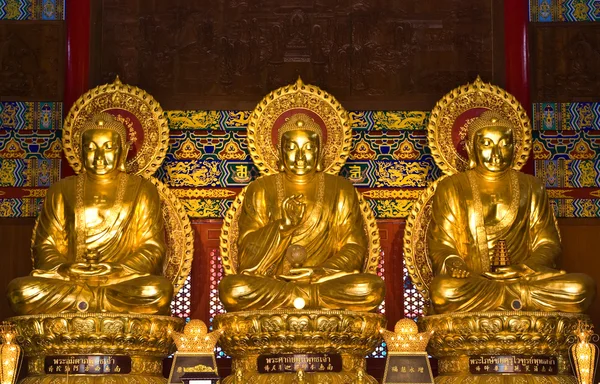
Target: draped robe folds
<point>531,238</point>
<point>133,240</point>
<point>333,236</point>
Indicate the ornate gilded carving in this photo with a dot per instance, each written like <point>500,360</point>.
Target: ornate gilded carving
<point>246,335</point>
<point>451,116</point>
<point>460,335</point>
<point>144,338</point>
<point>137,110</point>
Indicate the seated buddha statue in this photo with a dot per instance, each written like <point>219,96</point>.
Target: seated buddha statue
<point>99,243</point>
<point>302,242</point>
<point>492,206</point>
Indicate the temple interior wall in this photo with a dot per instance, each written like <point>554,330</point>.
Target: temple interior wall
<point>209,62</point>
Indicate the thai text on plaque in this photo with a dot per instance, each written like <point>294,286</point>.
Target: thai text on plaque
<point>87,364</point>
<point>313,362</point>
<point>535,365</point>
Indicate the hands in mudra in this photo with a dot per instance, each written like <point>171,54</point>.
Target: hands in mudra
<point>293,212</point>
<point>458,269</point>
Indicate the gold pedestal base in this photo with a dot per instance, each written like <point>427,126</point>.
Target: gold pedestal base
<point>460,336</point>
<point>247,335</point>
<point>143,338</point>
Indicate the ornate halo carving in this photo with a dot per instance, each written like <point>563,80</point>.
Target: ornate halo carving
<point>416,254</point>
<point>449,121</point>
<point>143,117</point>
<point>229,236</point>
<point>179,237</point>
<point>298,97</point>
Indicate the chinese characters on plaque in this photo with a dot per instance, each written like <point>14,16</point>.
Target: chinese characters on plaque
<point>407,368</point>
<point>87,364</point>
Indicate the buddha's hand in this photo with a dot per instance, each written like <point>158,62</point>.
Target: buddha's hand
<point>511,272</point>
<point>457,268</point>
<point>300,275</point>
<point>293,209</point>
<point>83,270</point>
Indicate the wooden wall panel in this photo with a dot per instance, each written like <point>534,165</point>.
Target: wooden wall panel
<point>15,241</point>
<point>370,54</point>
<point>581,253</point>
<point>31,60</point>
<point>565,62</point>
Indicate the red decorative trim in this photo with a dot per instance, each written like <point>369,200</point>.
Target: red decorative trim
<point>516,50</point>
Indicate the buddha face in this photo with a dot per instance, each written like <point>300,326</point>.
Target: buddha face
<point>101,150</point>
<point>300,152</point>
<point>494,148</point>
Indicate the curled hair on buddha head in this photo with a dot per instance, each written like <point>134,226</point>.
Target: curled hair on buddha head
<point>300,121</point>
<point>107,121</point>
<point>487,119</point>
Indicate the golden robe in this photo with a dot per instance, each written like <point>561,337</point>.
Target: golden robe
<point>131,237</point>
<point>332,232</point>
<point>531,238</point>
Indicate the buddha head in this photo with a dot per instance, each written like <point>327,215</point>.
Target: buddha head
<point>491,143</point>
<point>103,145</point>
<point>300,146</point>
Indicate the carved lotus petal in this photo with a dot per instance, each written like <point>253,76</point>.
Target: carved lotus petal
<point>84,325</point>
<point>273,324</point>
<point>490,325</point>
<point>112,326</point>
<point>298,324</point>
<point>327,324</point>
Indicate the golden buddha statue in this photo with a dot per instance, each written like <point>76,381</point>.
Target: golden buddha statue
<point>99,244</point>
<point>491,206</point>
<point>301,241</point>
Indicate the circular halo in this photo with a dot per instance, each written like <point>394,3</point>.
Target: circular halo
<point>230,234</point>
<point>271,112</point>
<point>142,116</point>
<point>450,119</point>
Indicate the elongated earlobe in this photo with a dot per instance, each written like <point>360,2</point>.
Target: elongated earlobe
<point>281,166</point>
<point>320,166</point>
<point>471,154</point>
<point>123,159</point>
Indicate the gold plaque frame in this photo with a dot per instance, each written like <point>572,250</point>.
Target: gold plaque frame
<point>472,99</point>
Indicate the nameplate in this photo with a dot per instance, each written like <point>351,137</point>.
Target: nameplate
<point>407,368</point>
<point>312,362</point>
<point>533,365</point>
<point>87,364</point>
<point>188,366</point>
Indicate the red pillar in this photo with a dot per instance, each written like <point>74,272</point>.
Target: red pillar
<point>78,50</point>
<point>77,62</point>
<point>516,50</point>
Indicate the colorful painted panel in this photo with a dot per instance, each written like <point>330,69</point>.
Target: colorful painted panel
<point>208,163</point>
<point>566,116</point>
<point>564,10</point>
<point>576,145</point>
<point>32,10</point>
<point>238,120</point>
